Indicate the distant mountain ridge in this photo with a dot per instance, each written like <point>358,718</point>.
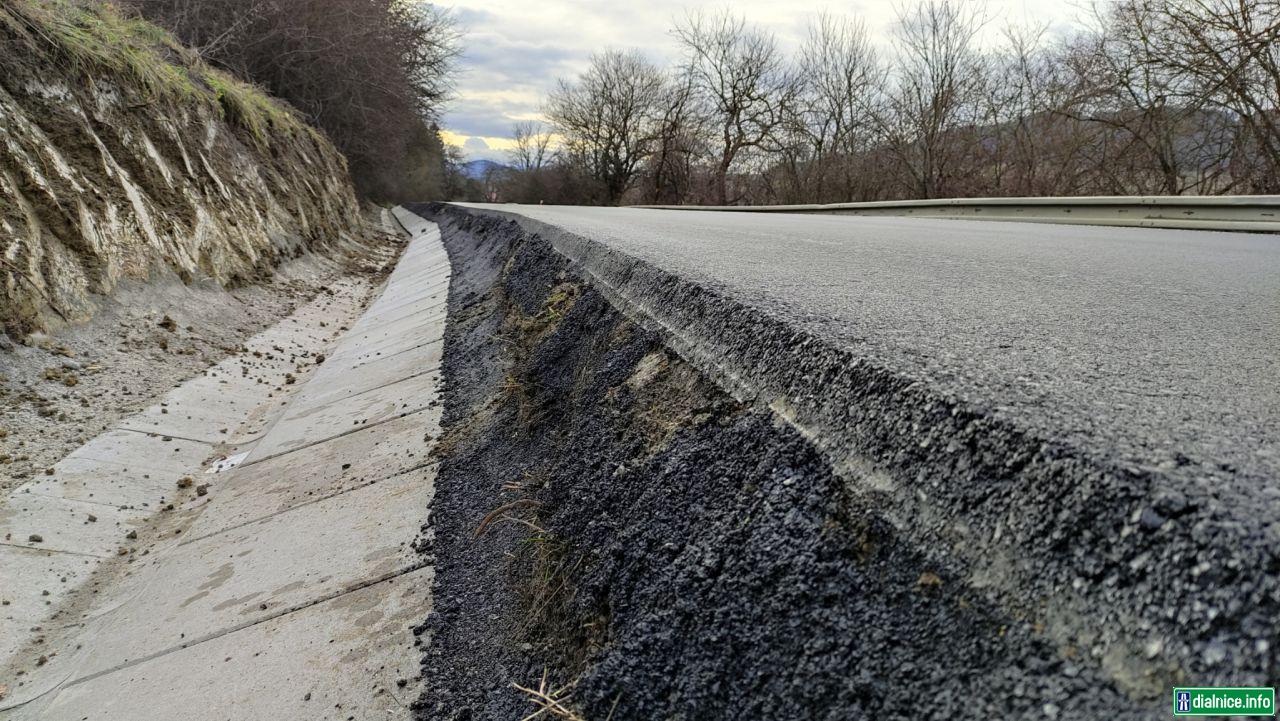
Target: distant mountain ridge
<point>478,169</point>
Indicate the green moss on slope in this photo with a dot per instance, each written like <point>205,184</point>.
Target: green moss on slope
<point>97,40</point>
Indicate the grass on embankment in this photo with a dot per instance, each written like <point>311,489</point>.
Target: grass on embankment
<point>99,42</point>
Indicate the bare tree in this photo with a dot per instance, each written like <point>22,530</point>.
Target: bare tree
<point>531,144</point>
<point>678,131</point>
<point>939,77</point>
<point>605,118</point>
<point>745,81</point>
<point>842,79</point>
<point>1225,55</point>
<point>1124,93</point>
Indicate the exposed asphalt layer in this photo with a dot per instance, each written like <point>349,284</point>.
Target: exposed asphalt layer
<point>1065,426</point>
<point>1150,345</point>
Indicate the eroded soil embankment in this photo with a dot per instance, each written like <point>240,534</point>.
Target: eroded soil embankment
<point>613,529</point>
<point>125,158</point>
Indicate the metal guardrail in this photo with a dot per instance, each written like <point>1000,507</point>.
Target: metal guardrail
<point>1247,213</point>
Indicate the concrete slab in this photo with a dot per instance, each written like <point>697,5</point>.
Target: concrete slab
<point>254,572</point>
<point>420,256</point>
<point>432,288</point>
<point>429,331</point>
<point>417,263</point>
<point>375,374</point>
<point>123,469</point>
<point>308,425</point>
<point>234,401</point>
<point>415,272</point>
<point>326,469</point>
<point>389,338</point>
<point>427,307</point>
<point>34,584</point>
<point>338,659</point>
<point>198,415</point>
<point>87,529</point>
<point>414,224</point>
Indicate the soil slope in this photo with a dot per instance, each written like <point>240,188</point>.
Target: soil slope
<point>123,156</point>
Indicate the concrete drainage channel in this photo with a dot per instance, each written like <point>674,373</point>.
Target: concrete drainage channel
<point>248,547</point>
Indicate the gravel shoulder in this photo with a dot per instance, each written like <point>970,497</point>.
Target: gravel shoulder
<point>618,535</point>
<point>1158,566</point>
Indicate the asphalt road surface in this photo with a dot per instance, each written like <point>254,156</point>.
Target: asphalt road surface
<point>1153,347</point>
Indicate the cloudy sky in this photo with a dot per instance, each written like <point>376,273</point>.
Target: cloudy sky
<point>516,49</point>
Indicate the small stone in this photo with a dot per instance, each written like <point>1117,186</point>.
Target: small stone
<point>185,482</point>
<point>202,489</point>
<point>131,535</point>
<point>93,518</point>
<point>1150,520</point>
<point>1214,654</point>
<point>35,538</point>
<point>1170,503</point>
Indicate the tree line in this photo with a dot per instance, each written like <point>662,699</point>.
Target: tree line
<point>373,74</point>
<point>1147,97</point>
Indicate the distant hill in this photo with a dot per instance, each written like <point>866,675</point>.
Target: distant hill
<point>478,169</point>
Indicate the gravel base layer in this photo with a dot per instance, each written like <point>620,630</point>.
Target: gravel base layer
<point>618,538</point>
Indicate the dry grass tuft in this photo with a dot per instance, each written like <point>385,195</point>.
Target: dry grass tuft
<point>550,702</point>
<point>498,514</point>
